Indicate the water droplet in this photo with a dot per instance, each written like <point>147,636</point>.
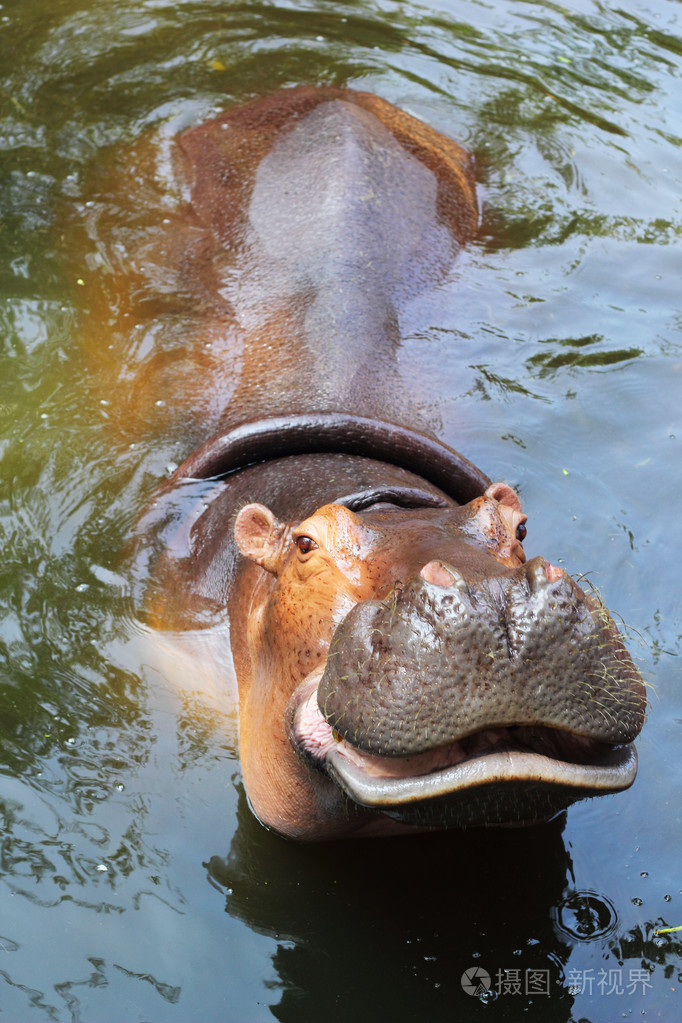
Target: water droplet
<point>102,868</point>
<point>82,587</point>
<point>637,902</point>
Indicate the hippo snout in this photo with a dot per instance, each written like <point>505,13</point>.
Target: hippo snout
<point>443,658</point>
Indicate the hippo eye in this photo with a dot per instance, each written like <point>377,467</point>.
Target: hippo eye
<point>521,532</point>
<point>305,544</point>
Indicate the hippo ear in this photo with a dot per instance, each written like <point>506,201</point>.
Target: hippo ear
<point>504,494</point>
<point>258,534</point>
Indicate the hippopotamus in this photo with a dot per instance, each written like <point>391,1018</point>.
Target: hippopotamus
<point>401,665</point>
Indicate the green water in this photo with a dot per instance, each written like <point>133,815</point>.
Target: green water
<point>135,883</point>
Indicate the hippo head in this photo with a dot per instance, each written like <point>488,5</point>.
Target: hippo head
<point>405,658</point>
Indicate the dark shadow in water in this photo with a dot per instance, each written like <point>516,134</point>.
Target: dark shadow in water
<point>394,924</point>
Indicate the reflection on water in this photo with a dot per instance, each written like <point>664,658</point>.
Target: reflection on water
<point>342,911</point>
<point>571,352</point>
<point>551,357</point>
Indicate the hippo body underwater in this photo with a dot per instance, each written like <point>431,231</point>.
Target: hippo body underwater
<point>400,664</point>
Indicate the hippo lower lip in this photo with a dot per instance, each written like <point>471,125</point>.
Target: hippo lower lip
<point>517,775</point>
<point>502,787</point>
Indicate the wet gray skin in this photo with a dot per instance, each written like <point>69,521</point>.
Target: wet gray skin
<point>518,687</point>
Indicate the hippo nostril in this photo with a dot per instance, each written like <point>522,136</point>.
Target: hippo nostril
<point>540,572</point>
<point>436,572</point>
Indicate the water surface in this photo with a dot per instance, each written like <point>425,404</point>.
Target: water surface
<point>136,884</point>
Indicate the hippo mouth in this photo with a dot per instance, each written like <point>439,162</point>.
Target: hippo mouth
<point>459,705</point>
<point>496,776</point>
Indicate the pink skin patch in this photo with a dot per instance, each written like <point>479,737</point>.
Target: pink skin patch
<point>313,734</point>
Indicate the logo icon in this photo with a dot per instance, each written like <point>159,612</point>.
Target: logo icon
<point>476,981</point>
